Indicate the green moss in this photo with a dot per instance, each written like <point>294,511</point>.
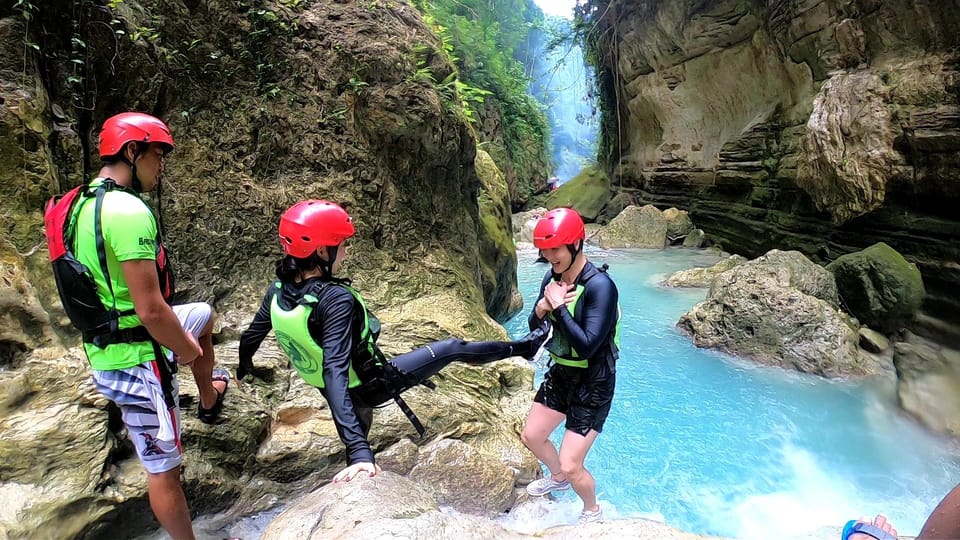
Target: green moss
<point>879,286</point>
<point>587,193</point>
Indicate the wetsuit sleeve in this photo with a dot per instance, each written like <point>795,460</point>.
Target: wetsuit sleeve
<point>599,314</point>
<point>336,329</point>
<point>254,335</point>
<point>533,321</point>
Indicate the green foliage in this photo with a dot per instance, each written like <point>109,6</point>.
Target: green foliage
<point>357,85</point>
<point>481,38</point>
<point>593,29</point>
<point>27,10</point>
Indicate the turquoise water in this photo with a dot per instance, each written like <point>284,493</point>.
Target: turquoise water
<point>715,445</point>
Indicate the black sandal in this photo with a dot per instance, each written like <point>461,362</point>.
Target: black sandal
<point>209,416</point>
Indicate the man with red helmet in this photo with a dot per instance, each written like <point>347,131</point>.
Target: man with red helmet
<point>329,335</point>
<point>134,358</point>
<point>581,301</point>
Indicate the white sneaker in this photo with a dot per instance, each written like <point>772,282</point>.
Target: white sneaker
<point>591,517</point>
<point>541,487</point>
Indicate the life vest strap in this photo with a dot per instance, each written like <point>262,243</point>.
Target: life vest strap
<point>577,363</point>
<point>137,334</point>
<point>417,425</point>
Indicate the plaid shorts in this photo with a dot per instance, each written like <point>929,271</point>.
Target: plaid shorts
<point>148,397</point>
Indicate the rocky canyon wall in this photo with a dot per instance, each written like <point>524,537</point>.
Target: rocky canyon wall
<point>823,126</point>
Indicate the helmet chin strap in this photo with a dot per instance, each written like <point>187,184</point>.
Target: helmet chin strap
<point>574,251</point>
<point>137,185</point>
<point>327,265</point>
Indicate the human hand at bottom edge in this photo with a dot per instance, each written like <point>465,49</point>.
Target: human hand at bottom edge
<point>352,471</point>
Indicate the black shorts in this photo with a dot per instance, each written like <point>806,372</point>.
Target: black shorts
<point>583,394</point>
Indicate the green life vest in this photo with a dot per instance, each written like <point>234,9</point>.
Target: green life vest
<point>559,347</point>
<point>306,356</point>
<point>367,363</point>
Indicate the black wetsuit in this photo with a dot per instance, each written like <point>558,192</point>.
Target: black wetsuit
<point>335,324</point>
<point>584,394</point>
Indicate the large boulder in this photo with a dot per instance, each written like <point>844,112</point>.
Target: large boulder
<point>54,446</point>
<point>929,382</point>
<point>848,152</point>
<point>461,477</point>
<point>636,227</point>
<point>702,277</point>
<point>276,438</point>
<point>780,309</point>
<point>24,325</point>
<point>587,193</point>
<point>879,286</point>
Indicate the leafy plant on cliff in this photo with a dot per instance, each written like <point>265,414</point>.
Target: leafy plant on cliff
<point>594,26</point>
<point>481,37</point>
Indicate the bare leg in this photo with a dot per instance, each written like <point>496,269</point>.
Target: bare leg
<point>573,451</point>
<point>202,369</point>
<point>169,504</point>
<point>944,522</point>
<point>540,423</point>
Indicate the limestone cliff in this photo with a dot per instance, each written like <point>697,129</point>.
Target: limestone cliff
<point>818,125</point>
<point>269,102</point>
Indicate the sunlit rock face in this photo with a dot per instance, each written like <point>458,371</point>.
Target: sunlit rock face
<point>782,310</point>
<point>821,126</point>
<point>269,103</point>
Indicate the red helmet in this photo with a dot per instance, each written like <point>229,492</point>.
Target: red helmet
<point>310,224</point>
<point>122,128</point>
<point>558,227</point>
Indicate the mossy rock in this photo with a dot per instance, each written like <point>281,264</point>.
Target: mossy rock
<point>614,206</point>
<point>587,193</point>
<point>498,256</point>
<point>879,286</point>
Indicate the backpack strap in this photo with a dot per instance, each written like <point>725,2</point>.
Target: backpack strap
<point>114,333</point>
<point>107,185</point>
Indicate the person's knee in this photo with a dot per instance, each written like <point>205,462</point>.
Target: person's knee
<point>530,439</point>
<point>211,315</point>
<point>450,344</point>
<point>167,478</point>
<point>570,468</point>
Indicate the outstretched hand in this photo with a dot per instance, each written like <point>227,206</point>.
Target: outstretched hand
<point>352,471</point>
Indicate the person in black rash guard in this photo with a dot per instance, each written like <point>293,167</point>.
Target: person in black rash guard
<point>324,327</point>
<point>581,301</point>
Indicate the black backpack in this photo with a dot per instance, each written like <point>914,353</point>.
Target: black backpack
<point>75,282</point>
